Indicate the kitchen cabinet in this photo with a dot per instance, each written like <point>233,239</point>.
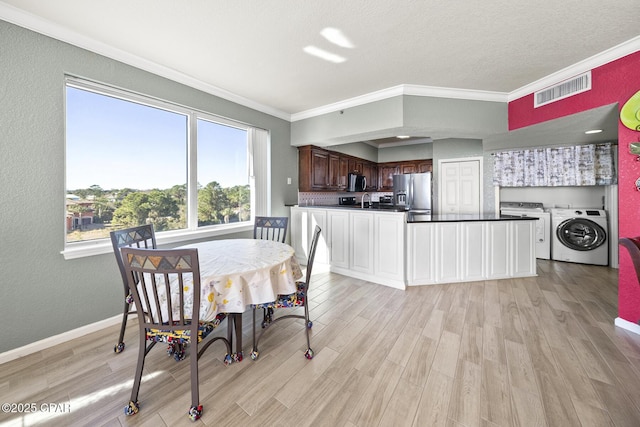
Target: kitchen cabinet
<point>303,223</point>
<point>447,252</point>
<point>338,170</point>
<point>363,244</point>
<point>338,237</point>
<point>313,169</point>
<point>387,170</point>
<point>385,173</point>
<point>388,246</point>
<point>370,172</point>
<point>320,169</point>
<point>425,166</point>
<point>361,241</point>
<point>408,168</point>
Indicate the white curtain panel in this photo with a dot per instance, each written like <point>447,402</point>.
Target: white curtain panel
<point>578,165</point>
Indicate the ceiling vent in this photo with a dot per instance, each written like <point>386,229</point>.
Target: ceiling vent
<point>565,89</point>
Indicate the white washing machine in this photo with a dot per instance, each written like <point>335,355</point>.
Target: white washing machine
<point>543,225</point>
<point>580,235</point>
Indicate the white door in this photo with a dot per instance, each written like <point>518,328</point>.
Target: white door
<point>460,186</point>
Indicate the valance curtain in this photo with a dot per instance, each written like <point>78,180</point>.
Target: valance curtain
<point>578,165</point>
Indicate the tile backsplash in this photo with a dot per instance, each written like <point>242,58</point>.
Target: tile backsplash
<point>324,198</point>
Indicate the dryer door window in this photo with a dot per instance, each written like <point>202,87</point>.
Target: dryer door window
<point>581,234</point>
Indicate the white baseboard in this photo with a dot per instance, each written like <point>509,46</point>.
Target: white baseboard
<point>629,326</point>
<point>34,347</point>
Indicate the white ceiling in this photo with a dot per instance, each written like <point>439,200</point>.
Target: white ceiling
<point>252,52</point>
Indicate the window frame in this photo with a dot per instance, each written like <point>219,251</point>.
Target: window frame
<point>192,231</point>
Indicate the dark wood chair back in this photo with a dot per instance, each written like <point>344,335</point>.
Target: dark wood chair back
<point>271,228</point>
<point>142,236</point>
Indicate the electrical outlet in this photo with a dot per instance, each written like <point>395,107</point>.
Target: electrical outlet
<point>288,180</point>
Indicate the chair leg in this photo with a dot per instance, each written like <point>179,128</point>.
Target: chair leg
<point>119,348</point>
<point>195,412</point>
<point>134,405</point>
<point>307,326</point>
<point>254,349</point>
<point>236,319</point>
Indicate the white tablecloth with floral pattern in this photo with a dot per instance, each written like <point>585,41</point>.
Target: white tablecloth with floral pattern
<point>238,272</point>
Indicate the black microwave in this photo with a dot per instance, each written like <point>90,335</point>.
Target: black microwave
<point>356,182</point>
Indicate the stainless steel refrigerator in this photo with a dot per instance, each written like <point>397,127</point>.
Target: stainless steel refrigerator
<point>413,191</point>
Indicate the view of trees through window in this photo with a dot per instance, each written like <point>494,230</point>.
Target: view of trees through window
<point>128,164</point>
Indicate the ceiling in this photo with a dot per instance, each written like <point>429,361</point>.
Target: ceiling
<point>255,52</point>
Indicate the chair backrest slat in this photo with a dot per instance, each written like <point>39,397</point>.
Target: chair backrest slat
<point>163,274</point>
<point>142,236</point>
<point>271,228</point>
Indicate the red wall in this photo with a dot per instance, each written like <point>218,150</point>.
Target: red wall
<point>614,82</point>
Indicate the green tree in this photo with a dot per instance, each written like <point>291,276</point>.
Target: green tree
<point>134,210</point>
<point>212,201</point>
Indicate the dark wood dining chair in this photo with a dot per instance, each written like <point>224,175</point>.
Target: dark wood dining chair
<point>142,236</point>
<point>271,228</point>
<point>633,246</point>
<point>295,300</point>
<point>166,318</point>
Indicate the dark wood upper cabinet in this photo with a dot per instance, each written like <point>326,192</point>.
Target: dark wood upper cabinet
<point>323,170</point>
<point>370,172</point>
<point>386,172</point>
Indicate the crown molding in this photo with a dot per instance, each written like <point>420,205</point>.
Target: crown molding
<point>42,26</point>
<point>414,90</point>
<point>32,22</point>
<point>598,60</point>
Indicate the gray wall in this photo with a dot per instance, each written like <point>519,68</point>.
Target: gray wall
<point>42,294</point>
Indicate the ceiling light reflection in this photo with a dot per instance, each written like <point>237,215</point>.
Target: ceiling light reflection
<point>336,37</point>
<point>589,132</point>
<point>323,54</point>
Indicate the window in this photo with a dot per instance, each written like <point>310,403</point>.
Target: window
<point>133,160</point>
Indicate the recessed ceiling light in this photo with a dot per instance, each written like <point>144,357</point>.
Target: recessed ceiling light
<point>336,37</point>
<point>589,132</point>
<point>403,136</point>
<point>323,54</point>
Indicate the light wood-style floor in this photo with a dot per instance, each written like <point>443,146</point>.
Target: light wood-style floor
<point>538,351</point>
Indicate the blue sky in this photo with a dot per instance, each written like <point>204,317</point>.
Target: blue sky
<point>117,144</point>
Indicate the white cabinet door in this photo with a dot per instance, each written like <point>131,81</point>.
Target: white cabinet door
<point>474,255</point>
<point>499,249</point>
<point>421,254</point>
<point>389,246</point>
<point>338,237</point>
<point>300,232</point>
<point>524,258</point>
<point>448,252</point>
<point>303,222</point>
<point>318,217</point>
<point>362,241</point>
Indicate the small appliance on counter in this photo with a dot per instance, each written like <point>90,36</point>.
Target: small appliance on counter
<point>348,200</point>
<point>386,201</point>
<point>356,183</point>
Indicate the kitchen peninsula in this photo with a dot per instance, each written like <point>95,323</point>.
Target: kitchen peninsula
<point>399,249</point>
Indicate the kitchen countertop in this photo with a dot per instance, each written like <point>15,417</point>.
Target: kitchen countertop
<point>375,207</point>
<point>418,218</point>
<point>413,218</point>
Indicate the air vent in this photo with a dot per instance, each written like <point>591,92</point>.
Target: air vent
<point>565,89</point>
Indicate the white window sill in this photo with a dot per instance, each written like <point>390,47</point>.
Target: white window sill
<point>103,246</point>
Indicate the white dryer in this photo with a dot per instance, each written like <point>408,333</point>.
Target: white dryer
<point>580,235</point>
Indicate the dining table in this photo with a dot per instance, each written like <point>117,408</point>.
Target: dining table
<point>236,273</point>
